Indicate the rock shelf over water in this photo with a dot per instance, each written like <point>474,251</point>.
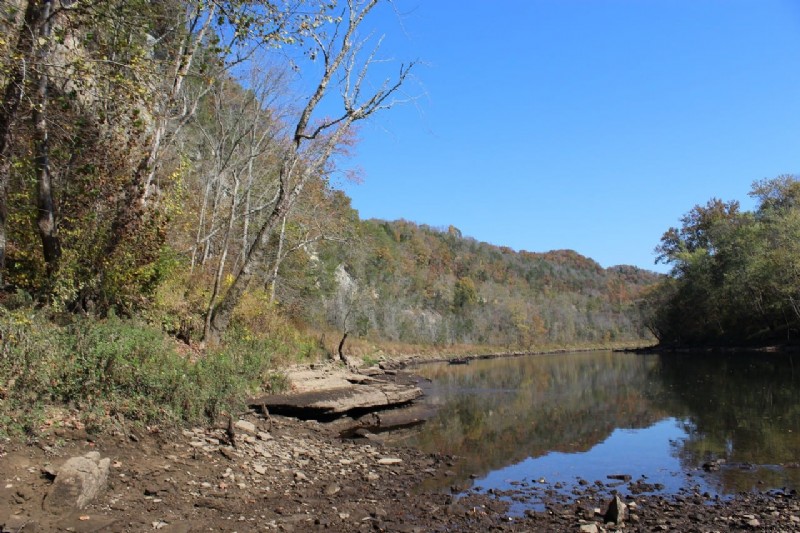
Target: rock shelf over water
<point>324,392</point>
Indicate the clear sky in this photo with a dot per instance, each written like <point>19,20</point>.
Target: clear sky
<point>584,124</point>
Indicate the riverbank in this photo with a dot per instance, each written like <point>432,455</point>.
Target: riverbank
<point>286,475</point>
<point>262,472</point>
<point>466,354</point>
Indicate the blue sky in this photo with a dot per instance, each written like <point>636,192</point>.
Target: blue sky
<point>591,125</point>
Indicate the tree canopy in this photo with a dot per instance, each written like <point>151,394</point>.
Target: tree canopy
<point>735,275</point>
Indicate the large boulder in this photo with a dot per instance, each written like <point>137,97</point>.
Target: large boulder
<point>77,483</point>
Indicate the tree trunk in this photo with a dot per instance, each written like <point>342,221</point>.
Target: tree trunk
<point>255,258</point>
<point>340,350</point>
<point>12,96</point>
<point>275,270</point>
<point>46,218</point>
<point>222,259</point>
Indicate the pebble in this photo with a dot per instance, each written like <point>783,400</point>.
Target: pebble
<point>390,461</point>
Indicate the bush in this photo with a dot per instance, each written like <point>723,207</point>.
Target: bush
<point>120,368</point>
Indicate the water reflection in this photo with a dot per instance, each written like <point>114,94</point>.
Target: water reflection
<point>741,408</point>
<point>592,414</point>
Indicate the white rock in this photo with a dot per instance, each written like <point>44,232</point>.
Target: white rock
<point>245,425</point>
<point>390,461</point>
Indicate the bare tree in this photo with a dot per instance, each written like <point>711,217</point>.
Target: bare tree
<point>313,144</point>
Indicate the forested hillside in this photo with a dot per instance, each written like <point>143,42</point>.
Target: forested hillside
<point>417,284</point>
<point>735,274</point>
<point>156,163</point>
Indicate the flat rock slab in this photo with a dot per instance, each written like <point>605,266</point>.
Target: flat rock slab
<point>374,396</point>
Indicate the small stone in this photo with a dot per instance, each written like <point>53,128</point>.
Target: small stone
<point>372,476</point>
<point>754,523</point>
<point>245,425</point>
<point>263,435</point>
<point>589,528</point>
<point>260,469</point>
<point>617,511</point>
<point>389,461</point>
<point>299,476</point>
<point>332,489</point>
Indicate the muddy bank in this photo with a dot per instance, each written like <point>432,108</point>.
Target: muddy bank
<point>260,471</point>
<point>287,475</point>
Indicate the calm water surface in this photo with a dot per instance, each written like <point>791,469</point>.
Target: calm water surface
<point>560,418</point>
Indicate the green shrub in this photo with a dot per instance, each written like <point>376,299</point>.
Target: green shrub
<point>120,368</point>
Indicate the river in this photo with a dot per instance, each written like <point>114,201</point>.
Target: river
<point>568,419</point>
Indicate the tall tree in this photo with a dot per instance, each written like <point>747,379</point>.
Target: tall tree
<point>314,142</point>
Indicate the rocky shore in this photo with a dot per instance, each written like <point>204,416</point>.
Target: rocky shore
<point>260,471</point>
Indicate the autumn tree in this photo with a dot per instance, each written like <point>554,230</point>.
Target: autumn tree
<point>735,274</point>
<point>344,64</point>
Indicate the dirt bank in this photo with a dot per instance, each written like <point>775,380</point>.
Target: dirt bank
<point>269,472</point>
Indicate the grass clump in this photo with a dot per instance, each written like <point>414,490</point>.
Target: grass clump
<point>120,368</point>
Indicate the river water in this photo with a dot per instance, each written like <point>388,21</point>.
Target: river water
<point>559,419</point>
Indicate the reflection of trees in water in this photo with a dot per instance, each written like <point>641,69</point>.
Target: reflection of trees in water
<point>743,408</point>
<point>494,413</point>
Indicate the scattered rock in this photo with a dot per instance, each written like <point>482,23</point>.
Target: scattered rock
<point>617,511</point>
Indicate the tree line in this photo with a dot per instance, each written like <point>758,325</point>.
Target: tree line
<point>735,276</point>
